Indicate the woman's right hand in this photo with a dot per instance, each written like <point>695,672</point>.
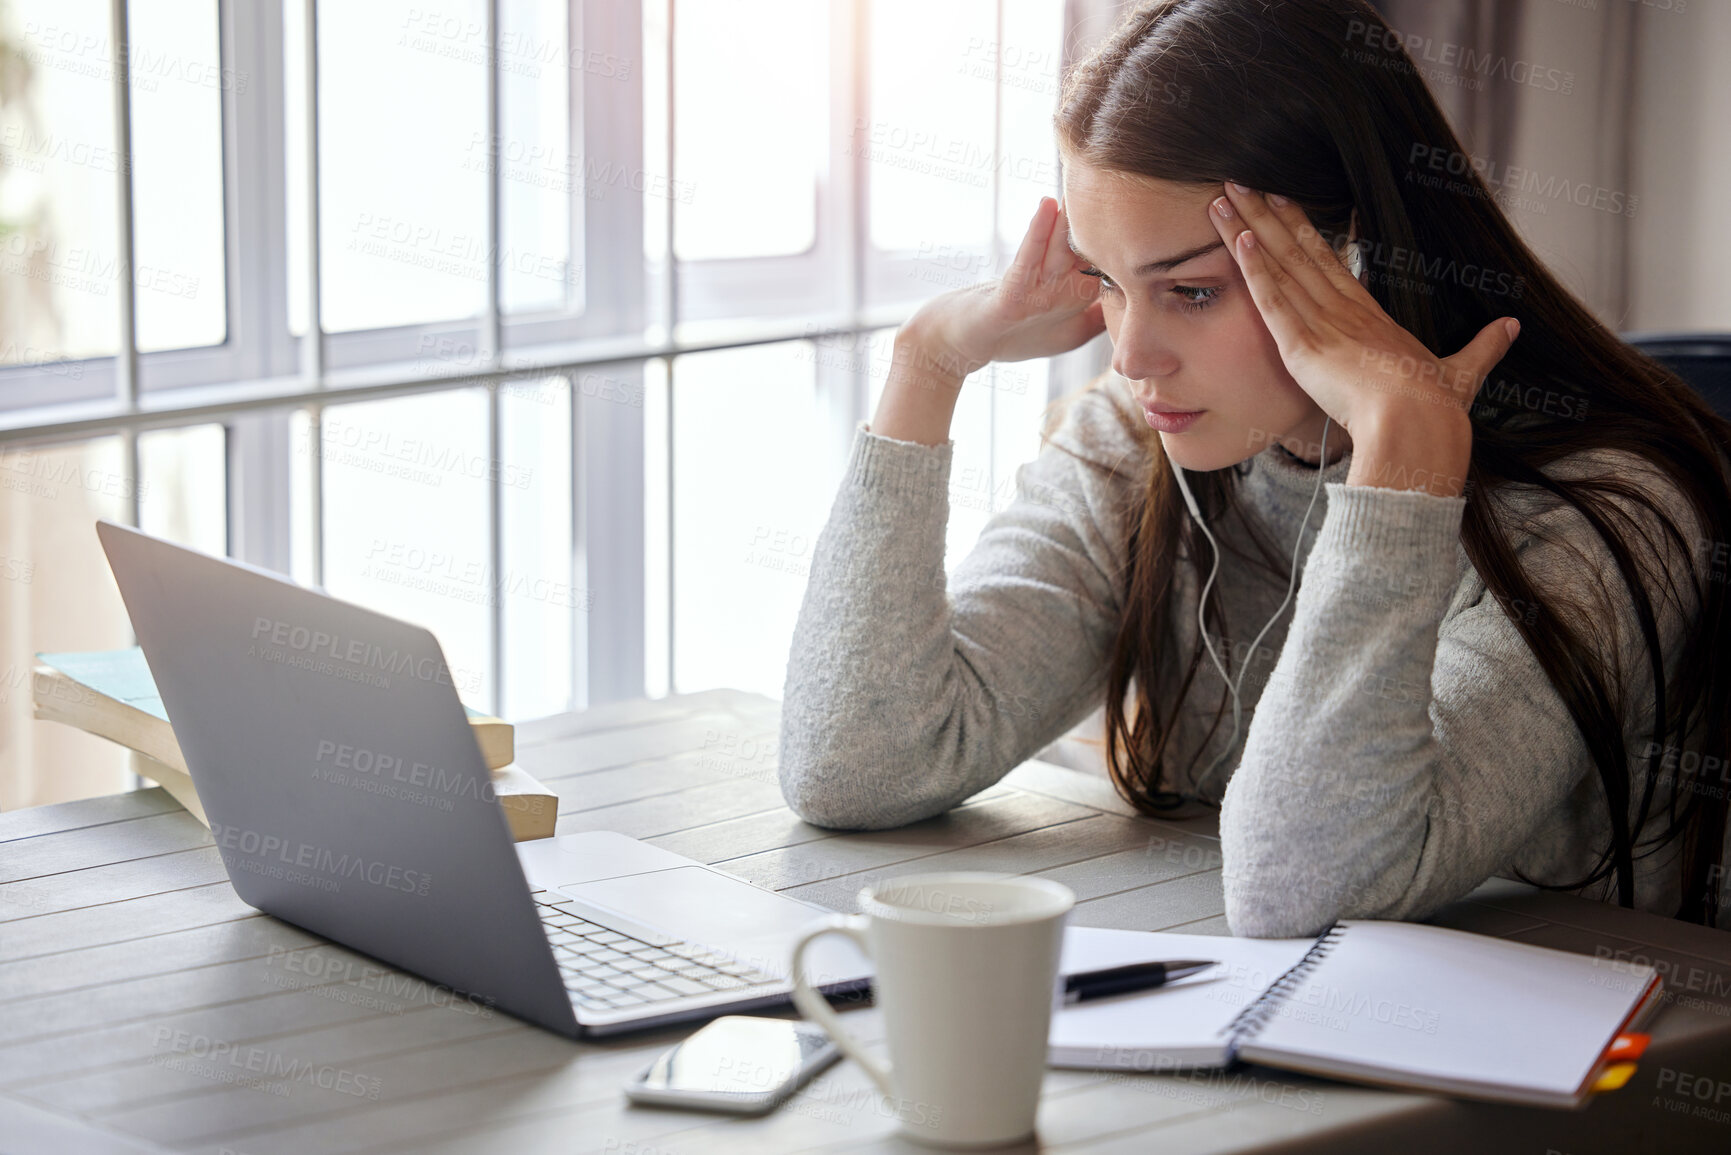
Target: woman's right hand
<point>1040,307</point>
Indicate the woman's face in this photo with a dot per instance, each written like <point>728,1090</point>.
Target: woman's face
<point>1185,332</point>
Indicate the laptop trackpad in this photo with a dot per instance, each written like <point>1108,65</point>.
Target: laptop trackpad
<point>728,914</point>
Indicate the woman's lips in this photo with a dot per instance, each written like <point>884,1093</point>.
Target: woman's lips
<point>1166,420</point>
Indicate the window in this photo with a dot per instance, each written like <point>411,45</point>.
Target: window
<point>60,257</point>
<point>745,423</point>
<point>467,325</point>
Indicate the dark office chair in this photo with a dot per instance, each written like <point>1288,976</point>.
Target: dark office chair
<point>1702,359</point>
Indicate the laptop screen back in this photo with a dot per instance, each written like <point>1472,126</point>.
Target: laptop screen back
<point>343,783</point>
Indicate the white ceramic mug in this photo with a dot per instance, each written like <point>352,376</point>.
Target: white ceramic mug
<point>967,978</point>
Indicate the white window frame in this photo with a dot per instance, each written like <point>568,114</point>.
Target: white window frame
<point>253,382</point>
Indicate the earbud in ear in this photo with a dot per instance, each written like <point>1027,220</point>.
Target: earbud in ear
<point>1354,256</point>
<point>1354,260</point>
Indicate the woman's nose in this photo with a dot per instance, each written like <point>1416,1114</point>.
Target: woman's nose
<point>1138,354</point>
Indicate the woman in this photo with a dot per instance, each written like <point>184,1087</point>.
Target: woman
<point>1501,658</point>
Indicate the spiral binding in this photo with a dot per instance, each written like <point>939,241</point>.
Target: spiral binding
<point>1253,1017</point>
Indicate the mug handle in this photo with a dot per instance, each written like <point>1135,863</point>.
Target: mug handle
<point>813,1005</point>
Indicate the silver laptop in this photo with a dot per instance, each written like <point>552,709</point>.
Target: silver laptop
<point>347,795</point>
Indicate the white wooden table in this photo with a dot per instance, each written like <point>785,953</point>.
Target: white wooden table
<point>144,1007</point>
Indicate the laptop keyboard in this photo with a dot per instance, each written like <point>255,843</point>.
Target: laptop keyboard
<point>605,970</point>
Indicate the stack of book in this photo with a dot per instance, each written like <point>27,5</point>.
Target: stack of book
<point>110,693</point>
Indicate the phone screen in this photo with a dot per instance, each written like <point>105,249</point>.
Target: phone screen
<point>737,1055</point>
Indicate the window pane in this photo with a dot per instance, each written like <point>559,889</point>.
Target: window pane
<point>423,459</point>
<point>749,193</point>
<point>177,85</point>
<point>1032,49</point>
<point>541,600</point>
<point>541,180</point>
<point>184,495</point>
<point>746,427</point>
<point>57,174</point>
<point>403,231</point>
<point>653,89</point>
<point>59,248</point>
<point>928,135</point>
<point>294,63</point>
<point>56,593</point>
<point>303,518</point>
<point>656,504</point>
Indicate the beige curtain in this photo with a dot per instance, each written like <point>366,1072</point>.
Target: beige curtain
<point>56,594</point>
<point>1626,170</point>
<point>1550,107</point>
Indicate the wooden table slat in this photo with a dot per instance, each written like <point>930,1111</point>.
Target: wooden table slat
<point>63,816</point>
<point>730,838</point>
<point>1014,816</point>
<point>133,920</point>
<point>116,882</point>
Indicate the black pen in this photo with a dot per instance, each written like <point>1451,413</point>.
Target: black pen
<point>1124,980</point>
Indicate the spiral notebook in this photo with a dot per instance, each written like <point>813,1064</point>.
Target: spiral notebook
<point>1394,1003</point>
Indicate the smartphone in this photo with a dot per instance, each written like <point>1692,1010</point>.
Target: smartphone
<point>736,1063</point>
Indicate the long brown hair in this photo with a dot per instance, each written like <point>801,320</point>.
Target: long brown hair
<point>1315,99</point>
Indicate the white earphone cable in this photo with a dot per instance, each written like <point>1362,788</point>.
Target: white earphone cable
<point>1234,686</point>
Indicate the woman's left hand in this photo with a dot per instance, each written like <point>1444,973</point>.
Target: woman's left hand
<point>1371,376</point>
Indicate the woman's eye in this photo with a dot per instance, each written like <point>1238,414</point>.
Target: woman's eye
<point>1192,297</point>
<point>1196,297</point>
<point>1105,281</point>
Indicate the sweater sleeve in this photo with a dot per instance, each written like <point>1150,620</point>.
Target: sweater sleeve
<point>902,696</point>
<point>1402,754</point>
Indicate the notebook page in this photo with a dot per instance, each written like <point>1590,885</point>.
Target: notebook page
<point>1177,1025</point>
<point>1425,1006</point>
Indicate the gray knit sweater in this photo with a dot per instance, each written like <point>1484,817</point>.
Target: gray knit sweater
<point>1400,742</point>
